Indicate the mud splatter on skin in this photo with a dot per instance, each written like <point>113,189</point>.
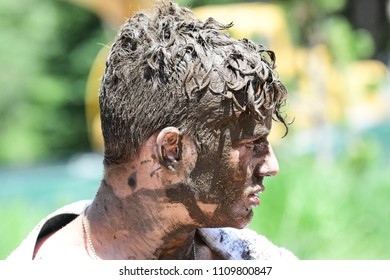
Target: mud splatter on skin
<point>132,181</point>
<point>132,206</point>
<point>135,208</point>
<point>154,172</point>
<point>185,194</point>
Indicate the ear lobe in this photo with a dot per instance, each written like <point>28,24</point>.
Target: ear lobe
<point>168,144</point>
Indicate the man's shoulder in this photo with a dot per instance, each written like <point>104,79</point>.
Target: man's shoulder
<point>243,244</point>
<point>49,224</point>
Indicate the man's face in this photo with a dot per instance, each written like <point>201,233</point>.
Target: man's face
<point>229,175</point>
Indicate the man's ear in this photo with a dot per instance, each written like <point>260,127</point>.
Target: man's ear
<point>169,148</point>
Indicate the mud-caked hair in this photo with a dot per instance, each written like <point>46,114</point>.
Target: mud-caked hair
<point>171,69</point>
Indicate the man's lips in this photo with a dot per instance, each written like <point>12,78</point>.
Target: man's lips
<point>253,196</point>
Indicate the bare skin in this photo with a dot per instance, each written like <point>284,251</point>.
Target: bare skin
<point>150,207</point>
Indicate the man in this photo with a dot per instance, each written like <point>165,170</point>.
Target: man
<point>185,111</point>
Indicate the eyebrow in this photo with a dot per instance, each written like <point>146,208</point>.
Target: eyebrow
<point>257,134</point>
<point>261,132</point>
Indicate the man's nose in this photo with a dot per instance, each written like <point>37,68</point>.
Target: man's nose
<point>269,166</point>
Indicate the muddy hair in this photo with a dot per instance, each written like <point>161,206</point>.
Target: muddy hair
<point>170,69</point>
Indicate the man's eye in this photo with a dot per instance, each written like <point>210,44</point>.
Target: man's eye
<point>260,147</point>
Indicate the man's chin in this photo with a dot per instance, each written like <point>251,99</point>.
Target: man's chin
<point>241,222</point>
<point>238,218</point>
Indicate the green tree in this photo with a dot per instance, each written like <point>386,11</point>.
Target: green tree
<point>46,50</point>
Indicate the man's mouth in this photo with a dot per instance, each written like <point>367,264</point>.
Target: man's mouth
<point>253,197</point>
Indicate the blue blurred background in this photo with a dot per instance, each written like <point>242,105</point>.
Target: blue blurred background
<point>331,198</point>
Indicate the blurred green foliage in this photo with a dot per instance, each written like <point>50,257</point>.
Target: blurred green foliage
<point>321,21</point>
<point>46,50</point>
<point>346,44</point>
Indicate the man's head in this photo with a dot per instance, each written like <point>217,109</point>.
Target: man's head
<point>171,70</point>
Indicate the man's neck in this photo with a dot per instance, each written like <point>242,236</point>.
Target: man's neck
<point>140,225</point>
